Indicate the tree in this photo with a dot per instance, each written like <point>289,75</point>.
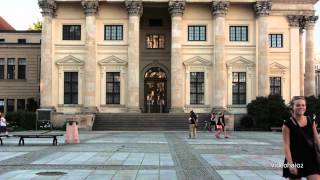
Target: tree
<point>37,26</point>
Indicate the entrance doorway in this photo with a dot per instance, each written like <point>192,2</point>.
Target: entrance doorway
<point>155,88</point>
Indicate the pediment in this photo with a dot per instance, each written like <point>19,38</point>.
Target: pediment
<point>240,61</point>
<point>70,61</point>
<point>197,61</point>
<point>112,61</point>
<point>277,66</point>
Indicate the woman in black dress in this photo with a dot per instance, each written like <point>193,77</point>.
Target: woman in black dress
<point>300,157</point>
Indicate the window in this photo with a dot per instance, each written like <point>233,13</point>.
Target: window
<point>275,86</point>
<point>21,104</point>
<point>10,105</point>
<point>238,33</point>
<point>113,32</point>
<point>196,88</point>
<point>22,41</point>
<point>22,63</point>
<point>2,64</point>
<point>317,82</point>
<point>155,22</point>
<point>2,40</point>
<point>113,88</point>
<point>1,105</point>
<point>197,33</point>
<point>11,68</point>
<point>238,88</point>
<point>275,40</point>
<point>155,41</point>
<point>71,32</point>
<point>71,88</point>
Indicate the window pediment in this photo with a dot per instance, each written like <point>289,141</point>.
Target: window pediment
<point>276,67</point>
<point>240,61</point>
<point>112,61</point>
<point>197,61</point>
<point>70,61</point>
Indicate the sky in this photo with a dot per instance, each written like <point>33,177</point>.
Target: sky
<point>22,13</point>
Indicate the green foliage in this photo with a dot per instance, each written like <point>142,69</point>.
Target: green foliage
<point>37,26</point>
<point>21,120</point>
<point>246,121</point>
<point>313,105</point>
<point>268,111</point>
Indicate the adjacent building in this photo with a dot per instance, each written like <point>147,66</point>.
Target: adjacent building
<point>173,55</point>
<point>19,67</point>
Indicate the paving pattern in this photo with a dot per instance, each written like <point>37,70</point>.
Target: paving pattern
<point>145,155</point>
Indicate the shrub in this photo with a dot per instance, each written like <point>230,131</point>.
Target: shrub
<point>32,105</point>
<point>313,105</point>
<point>246,121</point>
<point>21,120</point>
<point>268,111</point>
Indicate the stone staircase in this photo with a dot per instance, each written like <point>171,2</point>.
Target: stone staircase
<point>144,121</point>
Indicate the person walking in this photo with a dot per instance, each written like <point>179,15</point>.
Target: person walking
<point>221,126</point>
<point>212,121</point>
<point>300,143</point>
<point>193,121</point>
<point>3,124</point>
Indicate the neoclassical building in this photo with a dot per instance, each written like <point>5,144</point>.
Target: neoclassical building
<point>174,55</point>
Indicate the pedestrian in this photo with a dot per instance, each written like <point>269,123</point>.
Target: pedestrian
<point>212,121</point>
<point>3,124</point>
<point>300,143</point>
<point>193,121</point>
<point>221,126</point>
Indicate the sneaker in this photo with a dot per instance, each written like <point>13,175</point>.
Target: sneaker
<point>226,137</point>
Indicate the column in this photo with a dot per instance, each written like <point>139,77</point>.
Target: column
<point>135,10</point>
<point>301,56</point>
<point>176,8</point>
<point>263,9</point>
<point>309,86</point>
<point>219,11</point>
<point>90,8</point>
<point>294,23</point>
<point>48,10</point>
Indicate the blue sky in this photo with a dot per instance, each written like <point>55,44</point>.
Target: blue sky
<point>22,13</point>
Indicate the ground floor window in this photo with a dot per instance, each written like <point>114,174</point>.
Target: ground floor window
<point>1,105</point>
<point>113,88</point>
<point>196,88</point>
<point>10,105</point>
<point>71,88</point>
<point>21,104</point>
<point>275,86</point>
<point>238,88</point>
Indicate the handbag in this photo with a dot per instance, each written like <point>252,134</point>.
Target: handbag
<point>310,143</point>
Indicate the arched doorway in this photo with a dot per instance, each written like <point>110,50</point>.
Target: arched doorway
<point>155,91</point>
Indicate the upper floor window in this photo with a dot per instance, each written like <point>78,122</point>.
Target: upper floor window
<point>2,65</point>
<point>113,32</point>
<point>113,88</point>
<point>197,33</point>
<point>71,32</point>
<point>196,88</point>
<point>275,40</point>
<point>155,41</point>
<point>22,41</point>
<point>11,68</point>
<point>238,33</point>
<point>238,88</point>
<point>22,63</point>
<point>71,88</point>
<point>275,86</point>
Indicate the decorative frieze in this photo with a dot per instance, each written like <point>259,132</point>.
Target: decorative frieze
<point>176,7</point>
<point>220,8</point>
<point>134,7</point>
<point>90,7</point>
<point>48,7</point>
<point>263,8</point>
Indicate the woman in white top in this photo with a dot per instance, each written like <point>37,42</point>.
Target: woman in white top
<point>3,124</point>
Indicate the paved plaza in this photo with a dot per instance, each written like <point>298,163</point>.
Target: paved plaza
<point>145,155</point>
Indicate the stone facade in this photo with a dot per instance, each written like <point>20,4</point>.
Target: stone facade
<point>216,56</point>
